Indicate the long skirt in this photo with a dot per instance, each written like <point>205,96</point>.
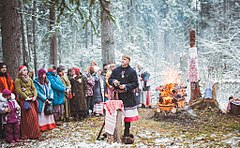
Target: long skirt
<point>131,114</point>
<point>46,122</point>
<point>29,122</point>
<point>143,98</point>
<point>67,108</point>
<point>59,112</point>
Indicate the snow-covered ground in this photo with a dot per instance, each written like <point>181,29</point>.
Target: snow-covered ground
<point>147,132</point>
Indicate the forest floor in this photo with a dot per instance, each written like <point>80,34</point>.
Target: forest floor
<point>205,128</point>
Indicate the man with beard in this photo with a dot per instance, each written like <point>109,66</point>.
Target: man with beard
<point>124,79</point>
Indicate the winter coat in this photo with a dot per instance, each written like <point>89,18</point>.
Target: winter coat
<point>44,92</point>
<point>67,84</point>
<point>90,85</point>
<point>130,79</point>
<point>13,116</point>
<point>58,88</point>
<point>6,82</point>
<point>25,88</point>
<point>78,102</point>
<point>98,89</point>
<point>66,81</point>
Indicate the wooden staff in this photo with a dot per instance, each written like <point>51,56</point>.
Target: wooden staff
<point>100,132</point>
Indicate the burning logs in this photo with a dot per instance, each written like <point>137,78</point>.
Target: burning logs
<point>171,96</point>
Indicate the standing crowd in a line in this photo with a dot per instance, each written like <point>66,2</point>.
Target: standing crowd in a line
<point>31,105</point>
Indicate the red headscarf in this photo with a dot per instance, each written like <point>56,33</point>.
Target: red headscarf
<point>77,71</point>
<point>21,68</point>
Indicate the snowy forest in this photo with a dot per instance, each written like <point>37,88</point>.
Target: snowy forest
<point>155,33</point>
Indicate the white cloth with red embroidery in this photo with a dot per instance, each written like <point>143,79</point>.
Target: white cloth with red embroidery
<point>193,74</point>
<point>98,108</point>
<point>111,107</point>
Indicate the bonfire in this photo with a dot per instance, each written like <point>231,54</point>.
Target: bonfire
<point>171,97</point>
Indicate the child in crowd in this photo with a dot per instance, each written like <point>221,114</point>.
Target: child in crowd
<point>9,107</point>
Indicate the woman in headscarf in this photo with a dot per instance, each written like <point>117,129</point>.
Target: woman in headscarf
<point>58,94</point>
<point>27,92</point>
<point>45,96</point>
<point>79,109</point>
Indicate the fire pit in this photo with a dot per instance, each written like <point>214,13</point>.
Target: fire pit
<point>171,96</point>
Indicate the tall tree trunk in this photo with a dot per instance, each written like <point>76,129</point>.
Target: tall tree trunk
<point>10,36</point>
<point>97,26</point>
<point>24,49</point>
<point>74,41</point>
<point>29,35</point>
<point>165,34</point>
<point>107,42</point>
<point>86,36</point>
<point>131,19</point>
<point>53,38</point>
<point>34,36</point>
<point>92,36</point>
<point>60,50</point>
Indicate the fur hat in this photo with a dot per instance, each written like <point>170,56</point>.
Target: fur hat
<point>126,56</point>
<point>6,92</point>
<point>41,72</point>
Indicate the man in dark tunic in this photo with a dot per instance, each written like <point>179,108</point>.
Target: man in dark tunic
<point>125,80</point>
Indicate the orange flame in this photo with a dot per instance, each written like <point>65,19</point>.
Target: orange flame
<point>166,98</point>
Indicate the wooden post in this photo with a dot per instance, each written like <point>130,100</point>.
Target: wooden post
<point>192,38</point>
<point>116,137</point>
<point>193,69</point>
<point>214,91</point>
<point>214,94</point>
<point>118,129</point>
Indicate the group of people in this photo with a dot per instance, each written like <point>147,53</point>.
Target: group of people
<point>77,95</point>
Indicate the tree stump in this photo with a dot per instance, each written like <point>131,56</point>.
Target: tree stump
<point>195,92</point>
<point>200,103</point>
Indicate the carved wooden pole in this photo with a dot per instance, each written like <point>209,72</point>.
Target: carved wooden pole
<point>193,69</point>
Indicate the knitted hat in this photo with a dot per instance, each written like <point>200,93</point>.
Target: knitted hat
<point>77,70</point>
<point>21,68</point>
<point>41,72</point>
<point>126,56</point>
<point>6,92</point>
